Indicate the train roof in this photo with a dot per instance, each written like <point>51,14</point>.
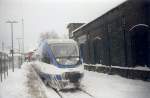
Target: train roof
<point>50,41</point>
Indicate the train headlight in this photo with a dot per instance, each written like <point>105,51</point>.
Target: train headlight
<point>77,59</point>
<point>58,60</point>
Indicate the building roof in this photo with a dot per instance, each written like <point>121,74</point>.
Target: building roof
<point>84,25</point>
<point>72,24</point>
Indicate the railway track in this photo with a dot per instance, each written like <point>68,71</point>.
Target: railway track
<point>73,93</point>
<point>84,91</point>
<point>69,93</point>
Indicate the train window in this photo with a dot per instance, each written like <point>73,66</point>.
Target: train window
<point>64,50</point>
<point>66,53</point>
<point>46,58</point>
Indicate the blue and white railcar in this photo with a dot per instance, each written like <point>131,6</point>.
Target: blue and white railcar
<point>61,65</point>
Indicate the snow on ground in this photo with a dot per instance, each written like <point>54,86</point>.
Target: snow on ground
<point>14,85</point>
<point>36,88</point>
<point>112,86</point>
<point>25,83</point>
<point>75,94</point>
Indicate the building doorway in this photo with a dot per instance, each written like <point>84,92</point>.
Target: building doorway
<point>97,50</point>
<point>140,45</point>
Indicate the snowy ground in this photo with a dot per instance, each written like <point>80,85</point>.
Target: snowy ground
<point>110,86</point>
<point>14,85</point>
<point>25,83</point>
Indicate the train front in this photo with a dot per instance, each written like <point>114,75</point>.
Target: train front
<point>69,66</point>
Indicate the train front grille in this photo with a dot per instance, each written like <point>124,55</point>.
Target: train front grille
<point>73,77</point>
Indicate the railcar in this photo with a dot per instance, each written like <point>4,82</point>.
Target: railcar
<point>61,65</point>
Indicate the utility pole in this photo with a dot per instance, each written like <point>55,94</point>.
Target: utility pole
<point>2,46</point>
<point>22,37</point>
<point>12,50</point>
<point>19,51</point>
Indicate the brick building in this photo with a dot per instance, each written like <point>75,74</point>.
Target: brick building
<point>119,37</point>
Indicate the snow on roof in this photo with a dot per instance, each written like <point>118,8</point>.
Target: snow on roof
<point>82,26</point>
<point>61,41</point>
<point>86,24</point>
<point>15,55</point>
<point>4,52</point>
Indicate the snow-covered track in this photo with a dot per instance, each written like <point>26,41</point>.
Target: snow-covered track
<point>76,93</point>
<point>58,93</point>
<point>72,93</point>
<point>84,91</point>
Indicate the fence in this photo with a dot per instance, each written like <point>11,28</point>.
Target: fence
<point>4,65</point>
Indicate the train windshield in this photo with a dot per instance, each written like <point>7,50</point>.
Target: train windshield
<point>65,53</point>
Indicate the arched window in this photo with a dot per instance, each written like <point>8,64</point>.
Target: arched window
<point>140,45</point>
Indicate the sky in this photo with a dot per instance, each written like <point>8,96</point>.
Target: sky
<point>46,16</point>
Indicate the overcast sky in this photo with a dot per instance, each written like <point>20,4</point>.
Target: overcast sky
<point>47,15</point>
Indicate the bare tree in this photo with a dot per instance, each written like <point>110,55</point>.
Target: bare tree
<point>48,35</point>
<point>65,35</point>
